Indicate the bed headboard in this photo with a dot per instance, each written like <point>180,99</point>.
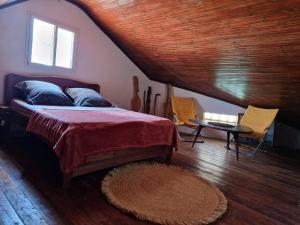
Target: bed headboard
<point>12,79</point>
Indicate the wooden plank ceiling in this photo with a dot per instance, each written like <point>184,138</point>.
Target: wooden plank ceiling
<point>243,52</point>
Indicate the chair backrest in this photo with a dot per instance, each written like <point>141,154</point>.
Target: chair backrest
<point>183,108</point>
<point>258,119</point>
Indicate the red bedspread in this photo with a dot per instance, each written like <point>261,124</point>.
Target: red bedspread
<point>76,134</point>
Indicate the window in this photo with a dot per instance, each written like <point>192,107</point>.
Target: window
<point>220,118</point>
<point>51,45</point>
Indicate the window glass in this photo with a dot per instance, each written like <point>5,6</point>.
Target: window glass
<point>51,45</point>
<point>64,48</point>
<point>42,42</point>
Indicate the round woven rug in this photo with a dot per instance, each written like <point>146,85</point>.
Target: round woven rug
<point>163,194</point>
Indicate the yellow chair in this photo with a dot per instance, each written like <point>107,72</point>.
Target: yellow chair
<point>259,120</point>
<point>184,110</point>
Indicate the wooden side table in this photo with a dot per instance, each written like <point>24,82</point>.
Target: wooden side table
<point>230,129</point>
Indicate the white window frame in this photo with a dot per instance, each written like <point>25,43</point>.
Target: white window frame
<point>29,45</point>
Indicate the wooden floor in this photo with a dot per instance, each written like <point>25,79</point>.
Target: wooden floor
<point>264,190</point>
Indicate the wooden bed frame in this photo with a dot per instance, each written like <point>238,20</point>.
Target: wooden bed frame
<point>92,162</point>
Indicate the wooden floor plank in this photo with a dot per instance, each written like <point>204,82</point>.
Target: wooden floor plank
<point>264,190</point>
<point>262,182</point>
<point>255,198</point>
<point>15,171</point>
<point>28,213</point>
<point>8,215</point>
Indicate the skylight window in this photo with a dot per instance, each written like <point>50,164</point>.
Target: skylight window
<point>51,45</point>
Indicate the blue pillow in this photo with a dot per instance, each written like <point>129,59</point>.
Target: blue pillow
<point>43,93</point>
<point>87,97</point>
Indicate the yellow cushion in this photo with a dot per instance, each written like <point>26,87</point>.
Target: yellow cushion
<point>258,119</point>
<point>184,109</point>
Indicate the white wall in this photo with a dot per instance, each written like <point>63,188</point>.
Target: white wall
<point>98,59</point>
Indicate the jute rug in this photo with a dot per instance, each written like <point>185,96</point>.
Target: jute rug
<point>163,194</point>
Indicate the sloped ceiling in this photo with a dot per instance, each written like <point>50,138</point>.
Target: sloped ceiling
<point>243,52</point>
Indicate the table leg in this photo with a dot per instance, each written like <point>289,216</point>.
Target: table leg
<point>228,140</point>
<point>236,139</point>
<point>197,135</point>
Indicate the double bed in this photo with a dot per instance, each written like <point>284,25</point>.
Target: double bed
<point>87,139</point>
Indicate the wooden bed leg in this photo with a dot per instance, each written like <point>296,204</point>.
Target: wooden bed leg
<point>169,155</point>
<point>66,180</point>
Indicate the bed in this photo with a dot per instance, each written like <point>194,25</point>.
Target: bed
<point>87,139</point>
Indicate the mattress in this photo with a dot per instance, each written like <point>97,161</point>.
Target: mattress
<point>26,109</point>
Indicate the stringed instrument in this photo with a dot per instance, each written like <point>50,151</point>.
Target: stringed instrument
<point>136,101</point>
